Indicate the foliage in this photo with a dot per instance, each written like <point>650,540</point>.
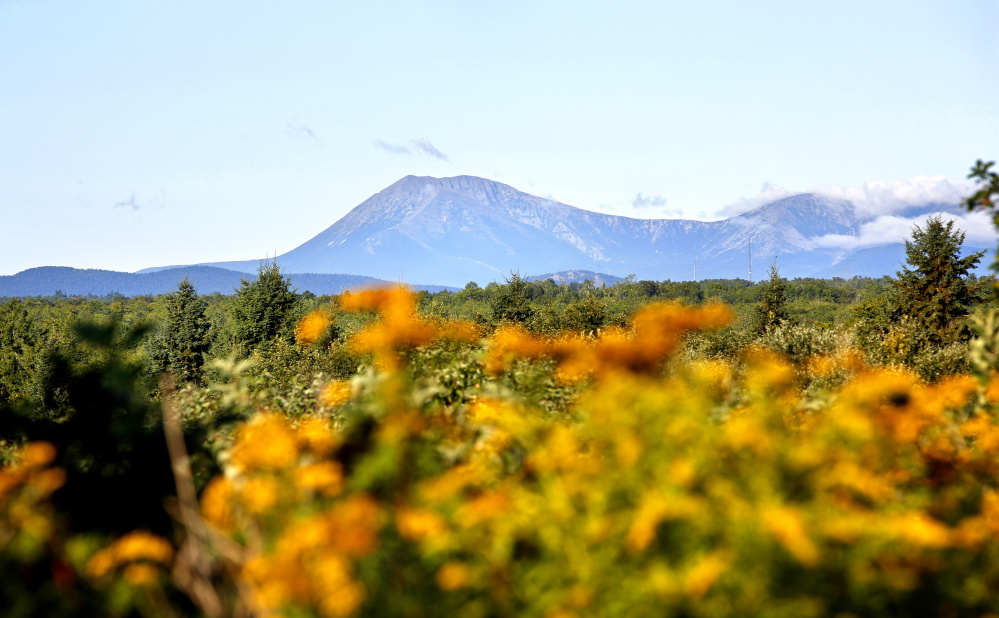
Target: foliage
<point>935,291</point>
<point>261,307</point>
<point>772,310</point>
<point>186,335</point>
<point>438,484</point>
<point>988,189</point>
<point>512,304</point>
<point>21,338</point>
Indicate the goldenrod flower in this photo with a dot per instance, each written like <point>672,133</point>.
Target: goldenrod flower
<point>311,327</point>
<point>335,394</point>
<point>787,526</point>
<point>141,574</point>
<point>133,547</point>
<point>265,443</point>
<point>705,572</point>
<point>418,524</point>
<point>216,503</point>
<point>36,455</point>
<point>326,477</point>
<point>453,575</point>
<point>260,494</point>
<point>339,594</point>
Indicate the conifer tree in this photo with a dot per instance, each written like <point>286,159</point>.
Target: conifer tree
<point>936,291</point>
<point>512,303</point>
<point>262,306</point>
<point>186,335</point>
<point>772,310</point>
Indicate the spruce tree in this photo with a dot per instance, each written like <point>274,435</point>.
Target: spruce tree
<point>512,302</point>
<point>936,291</point>
<point>262,306</point>
<point>186,336</point>
<point>772,310</point>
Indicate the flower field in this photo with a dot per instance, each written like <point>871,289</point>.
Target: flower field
<point>663,485</point>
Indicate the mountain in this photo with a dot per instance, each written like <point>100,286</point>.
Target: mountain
<point>48,280</point>
<point>454,230</point>
<point>578,276</point>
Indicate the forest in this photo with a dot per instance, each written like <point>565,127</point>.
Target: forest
<point>715,448</point>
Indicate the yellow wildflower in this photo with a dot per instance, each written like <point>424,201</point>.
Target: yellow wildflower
<point>311,327</point>
<point>453,575</point>
<point>509,343</point>
<point>992,389</point>
<point>216,503</point>
<point>767,374</point>
<point>653,509</point>
<point>417,524</point>
<point>482,509</point>
<point>326,477</point>
<point>260,494</point>
<point>316,436</point>
<point>705,572</point>
<point>36,455</point>
<point>133,547</point>
<point>265,443</point>
<point>335,394</point>
<point>47,481</point>
<point>788,527</point>
<point>399,327</point>
<point>141,574</point>
<point>339,594</point>
<point>354,525</point>
<point>921,529</point>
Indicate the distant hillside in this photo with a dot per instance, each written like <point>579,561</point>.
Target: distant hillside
<point>48,280</point>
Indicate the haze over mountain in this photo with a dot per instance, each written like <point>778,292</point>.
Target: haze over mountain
<point>449,231</point>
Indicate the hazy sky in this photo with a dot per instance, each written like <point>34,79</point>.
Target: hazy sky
<point>147,133</point>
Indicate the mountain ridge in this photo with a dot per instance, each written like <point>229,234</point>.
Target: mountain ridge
<point>48,280</point>
<point>465,228</point>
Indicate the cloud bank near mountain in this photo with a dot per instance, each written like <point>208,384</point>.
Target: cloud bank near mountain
<point>891,229</point>
<point>872,199</point>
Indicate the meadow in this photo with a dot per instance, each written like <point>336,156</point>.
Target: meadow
<point>803,448</point>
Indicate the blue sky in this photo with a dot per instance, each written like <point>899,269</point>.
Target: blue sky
<point>136,134</point>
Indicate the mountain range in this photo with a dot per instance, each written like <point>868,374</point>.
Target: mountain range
<point>50,280</point>
<point>449,231</point>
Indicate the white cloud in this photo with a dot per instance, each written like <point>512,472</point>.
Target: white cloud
<point>768,193</point>
<point>418,146</point>
<point>890,229</point>
<point>427,148</point>
<point>890,197</point>
<point>648,201</point>
<point>872,199</point>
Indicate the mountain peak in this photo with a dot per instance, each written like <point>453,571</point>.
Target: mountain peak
<point>482,189</point>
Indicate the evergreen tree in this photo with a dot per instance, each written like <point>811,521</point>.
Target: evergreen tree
<point>261,307</point>
<point>772,310</point>
<point>512,302</point>
<point>186,336</point>
<point>936,291</point>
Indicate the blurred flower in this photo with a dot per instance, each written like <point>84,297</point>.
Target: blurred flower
<point>335,394</point>
<point>135,547</point>
<point>311,327</point>
<point>265,443</point>
<point>453,575</point>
